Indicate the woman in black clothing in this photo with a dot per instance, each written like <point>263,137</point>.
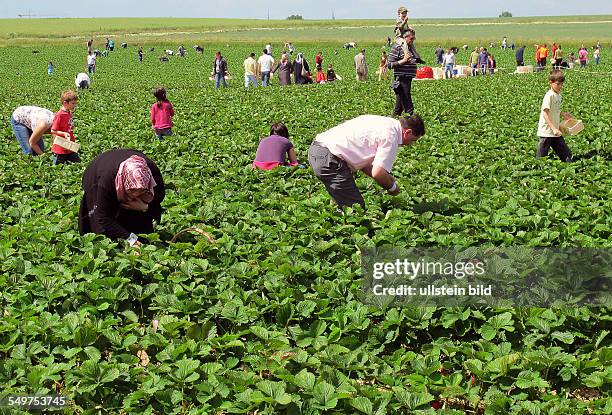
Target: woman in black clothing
<point>301,70</point>
<point>123,194</point>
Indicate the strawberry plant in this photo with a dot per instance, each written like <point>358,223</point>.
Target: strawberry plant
<point>267,318</point>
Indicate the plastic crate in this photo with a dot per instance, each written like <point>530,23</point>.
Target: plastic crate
<point>67,144</point>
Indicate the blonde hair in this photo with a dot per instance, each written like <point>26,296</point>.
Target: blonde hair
<point>68,96</point>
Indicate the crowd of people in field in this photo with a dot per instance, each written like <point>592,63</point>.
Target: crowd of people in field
<point>123,189</point>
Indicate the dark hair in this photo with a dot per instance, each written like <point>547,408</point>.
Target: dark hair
<point>414,123</point>
<point>556,76</point>
<point>252,54</point>
<point>160,94</point>
<point>265,51</point>
<point>279,129</point>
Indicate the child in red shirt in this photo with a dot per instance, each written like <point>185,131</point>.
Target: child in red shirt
<point>62,127</point>
<point>320,76</point>
<point>161,114</point>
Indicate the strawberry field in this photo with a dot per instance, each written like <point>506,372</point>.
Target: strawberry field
<point>268,317</point>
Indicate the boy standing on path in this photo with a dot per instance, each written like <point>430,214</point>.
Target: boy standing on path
<point>550,114</point>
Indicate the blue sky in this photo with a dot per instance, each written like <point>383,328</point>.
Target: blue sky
<point>311,9</point>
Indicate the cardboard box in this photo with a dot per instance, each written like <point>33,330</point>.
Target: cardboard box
<point>438,73</point>
<point>571,126</point>
<point>67,144</point>
<point>524,69</point>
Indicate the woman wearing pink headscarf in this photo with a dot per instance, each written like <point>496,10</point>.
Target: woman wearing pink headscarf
<point>123,194</point>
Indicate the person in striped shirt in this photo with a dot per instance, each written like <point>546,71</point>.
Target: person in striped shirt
<point>404,70</point>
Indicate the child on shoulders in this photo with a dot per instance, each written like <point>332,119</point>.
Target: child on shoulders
<point>274,150</point>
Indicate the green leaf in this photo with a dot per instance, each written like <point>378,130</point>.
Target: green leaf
<point>305,380</point>
<point>565,337</point>
<point>325,395</point>
<point>362,404</point>
<point>275,390</point>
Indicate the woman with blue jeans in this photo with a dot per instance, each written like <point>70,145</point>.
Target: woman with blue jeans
<point>29,124</point>
<point>448,61</point>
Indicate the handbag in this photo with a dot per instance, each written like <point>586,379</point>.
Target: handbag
<point>304,71</point>
<point>395,84</point>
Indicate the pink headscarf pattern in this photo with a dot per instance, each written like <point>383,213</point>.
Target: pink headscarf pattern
<point>134,173</point>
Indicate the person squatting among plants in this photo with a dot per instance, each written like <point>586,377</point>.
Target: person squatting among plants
<point>274,150</point>
<point>63,127</point>
<point>29,124</point>
<point>123,190</point>
<point>369,143</point>
<point>161,114</point>
<point>82,81</point>
<point>550,114</point>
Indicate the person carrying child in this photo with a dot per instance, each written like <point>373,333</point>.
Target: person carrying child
<point>550,114</point>
<point>62,127</point>
<point>161,114</point>
<point>401,27</point>
<point>274,150</point>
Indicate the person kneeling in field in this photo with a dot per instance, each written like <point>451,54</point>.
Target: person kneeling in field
<point>274,150</point>
<point>123,191</point>
<point>550,114</point>
<point>369,143</point>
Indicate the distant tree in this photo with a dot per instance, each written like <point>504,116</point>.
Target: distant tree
<point>295,17</point>
<point>505,14</point>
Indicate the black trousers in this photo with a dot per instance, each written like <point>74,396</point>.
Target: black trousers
<point>558,145</point>
<point>403,96</point>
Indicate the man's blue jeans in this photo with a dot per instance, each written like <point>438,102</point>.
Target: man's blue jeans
<point>265,78</point>
<point>218,79</point>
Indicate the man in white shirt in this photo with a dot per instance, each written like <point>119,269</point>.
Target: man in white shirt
<point>82,81</point>
<point>91,63</point>
<point>369,143</point>
<point>265,63</point>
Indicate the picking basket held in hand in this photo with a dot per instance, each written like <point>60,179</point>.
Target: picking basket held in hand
<point>571,126</point>
<point>67,144</point>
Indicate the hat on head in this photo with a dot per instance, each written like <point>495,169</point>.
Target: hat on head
<point>402,10</point>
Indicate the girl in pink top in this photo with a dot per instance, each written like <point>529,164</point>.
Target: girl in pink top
<point>161,114</point>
